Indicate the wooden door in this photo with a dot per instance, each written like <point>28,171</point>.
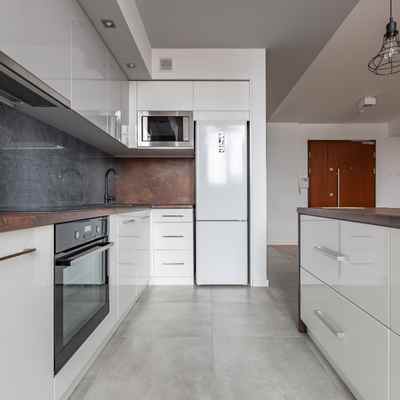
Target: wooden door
<point>341,173</point>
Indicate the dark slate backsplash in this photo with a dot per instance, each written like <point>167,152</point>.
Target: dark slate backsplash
<point>67,174</point>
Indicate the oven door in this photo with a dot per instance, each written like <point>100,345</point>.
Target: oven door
<point>81,298</point>
<point>165,129</point>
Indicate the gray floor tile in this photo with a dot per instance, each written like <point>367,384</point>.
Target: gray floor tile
<point>214,343</point>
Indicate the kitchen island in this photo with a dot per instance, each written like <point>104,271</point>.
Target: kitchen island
<point>349,294</point>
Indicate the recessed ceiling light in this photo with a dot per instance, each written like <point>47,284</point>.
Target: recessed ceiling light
<point>108,23</point>
<point>131,65</point>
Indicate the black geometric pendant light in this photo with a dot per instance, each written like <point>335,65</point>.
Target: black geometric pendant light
<point>387,61</point>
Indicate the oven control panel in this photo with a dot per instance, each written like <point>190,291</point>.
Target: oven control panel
<point>77,233</point>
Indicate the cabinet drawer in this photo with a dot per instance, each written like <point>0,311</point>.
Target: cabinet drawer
<point>320,248</point>
<point>173,215</point>
<point>173,263</point>
<point>173,236</point>
<point>354,341</point>
<point>364,271</point>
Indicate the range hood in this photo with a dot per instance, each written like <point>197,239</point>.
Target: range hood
<point>18,85</point>
<point>25,92</point>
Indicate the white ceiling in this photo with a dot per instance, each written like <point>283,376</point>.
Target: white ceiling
<point>331,88</point>
<point>293,30</point>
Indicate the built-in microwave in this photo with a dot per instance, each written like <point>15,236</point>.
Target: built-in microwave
<point>165,129</point>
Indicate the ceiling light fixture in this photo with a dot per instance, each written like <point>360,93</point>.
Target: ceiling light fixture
<point>387,61</point>
<point>131,65</point>
<point>108,23</point>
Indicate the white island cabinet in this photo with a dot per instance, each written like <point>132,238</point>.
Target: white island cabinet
<point>350,295</point>
<point>26,309</point>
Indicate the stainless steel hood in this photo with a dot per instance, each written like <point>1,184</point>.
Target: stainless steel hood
<point>18,85</point>
<point>24,91</point>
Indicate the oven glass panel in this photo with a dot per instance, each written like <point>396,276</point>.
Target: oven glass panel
<point>84,293</point>
<point>164,129</point>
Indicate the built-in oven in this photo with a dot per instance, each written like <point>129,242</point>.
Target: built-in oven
<point>165,129</point>
<point>81,287</point>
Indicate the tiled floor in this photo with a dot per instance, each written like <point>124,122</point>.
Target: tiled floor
<point>181,343</point>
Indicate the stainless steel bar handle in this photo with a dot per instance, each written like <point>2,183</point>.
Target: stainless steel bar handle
<point>129,221</point>
<point>174,263</point>
<point>173,216</point>
<point>67,262</point>
<point>338,187</point>
<point>331,253</point>
<point>173,236</point>
<point>18,254</point>
<point>329,324</point>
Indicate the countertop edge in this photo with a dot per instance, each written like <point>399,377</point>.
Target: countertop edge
<point>13,221</point>
<point>387,217</point>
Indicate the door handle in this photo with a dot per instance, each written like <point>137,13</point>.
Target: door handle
<point>330,325</point>
<point>129,221</point>
<point>331,253</point>
<point>338,187</point>
<point>69,261</point>
<point>173,263</point>
<point>18,254</point>
<point>173,236</point>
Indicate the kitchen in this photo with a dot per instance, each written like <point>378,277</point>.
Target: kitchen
<point>133,216</point>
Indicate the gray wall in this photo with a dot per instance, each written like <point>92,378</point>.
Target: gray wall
<point>36,178</point>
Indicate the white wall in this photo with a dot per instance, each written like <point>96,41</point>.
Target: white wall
<point>287,161</point>
<point>226,64</point>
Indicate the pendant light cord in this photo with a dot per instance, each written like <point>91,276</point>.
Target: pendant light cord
<point>391,8</point>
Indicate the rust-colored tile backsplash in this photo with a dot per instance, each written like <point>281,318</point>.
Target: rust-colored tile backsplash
<point>156,181</point>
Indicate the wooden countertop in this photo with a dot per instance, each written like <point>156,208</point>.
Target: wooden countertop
<point>389,217</point>
<point>15,220</point>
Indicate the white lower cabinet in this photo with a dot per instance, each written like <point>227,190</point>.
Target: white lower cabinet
<point>172,244</point>
<point>394,366</point>
<point>355,343</point>
<point>320,248</point>
<point>134,260</point>
<point>26,308</point>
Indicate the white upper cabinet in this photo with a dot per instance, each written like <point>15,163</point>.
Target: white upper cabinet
<point>36,34</point>
<point>231,95</point>
<point>90,67</point>
<point>165,95</point>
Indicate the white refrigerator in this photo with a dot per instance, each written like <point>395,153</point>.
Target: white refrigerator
<point>221,203</point>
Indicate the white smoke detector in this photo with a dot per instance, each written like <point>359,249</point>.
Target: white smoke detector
<point>366,103</point>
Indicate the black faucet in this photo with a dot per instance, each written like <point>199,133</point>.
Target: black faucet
<point>108,198</point>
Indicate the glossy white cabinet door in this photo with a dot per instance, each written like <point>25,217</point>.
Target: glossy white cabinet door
<point>394,366</point>
<point>364,271</point>
<point>355,343</point>
<point>320,248</point>
<point>165,95</point>
<point>26,309</point>
<point>90,66</point>
<point>134,261</point>
<point>36,34</point>
<point>221,96</point>
<point>395,280</point>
